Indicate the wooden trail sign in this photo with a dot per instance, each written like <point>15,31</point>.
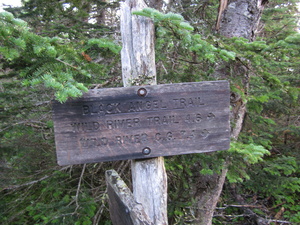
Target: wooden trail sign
<point>142,122</point>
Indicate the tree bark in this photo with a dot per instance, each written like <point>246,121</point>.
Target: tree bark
<point>208,195</point>
<point>138,67</point>
<point>239,19</point>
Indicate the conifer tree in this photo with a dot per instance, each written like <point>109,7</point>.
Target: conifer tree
<point>58,52</point>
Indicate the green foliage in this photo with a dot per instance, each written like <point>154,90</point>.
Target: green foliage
<point>285,165</point>
<point>241,156</point>
<point>51,61</point>
<point>59,48</point>
<point>280,172</point>
<point>273,72</point>
<point>50,202</point>
<point>279,19</point>
<point>33,189</point>
<point>174,36</point>
<point>72,19</point>
<point>103,43</point>
<point>183,172</point>
<point>250,153</point>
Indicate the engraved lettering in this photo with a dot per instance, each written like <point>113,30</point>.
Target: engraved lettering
<point>155,104</point>
<point>136,122</point>
<point>129,122</point>
<point>165,120</point>
<point>169,136</point>
<point>117,108</point>
<point>182,103</point>
<point>101,109</point>
<point>187,134</point>
<point>157,136</point>
<point>188,118</point>
<point>193,118</point>
<point>93,109</point>
<point>148,105</point>
<point>85,109</point>
<point>132,139</point>
<point>87,126</point>
<point>191,135</point>
<point>124,123</point>
<point>119,140</point>
<point>157,120</point>
<point>109,108</point>
<point>110,124</point>
<point>144,138</point>
<point>199,101</point>
<point>140,106</point>
<point>198,117</point>
<point>164,137</point>
<point>204,133</point>
<point>190,102</point>
<point>93,142</point>
<point>162,120</point>
<point>135,106</point>
<point>211,116</point>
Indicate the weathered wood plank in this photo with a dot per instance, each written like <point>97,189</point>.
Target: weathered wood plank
<point>138,52</point>
<point>150,188</point>
<point>123,208</point>
<point>118,123</point>
<point>138,67</point>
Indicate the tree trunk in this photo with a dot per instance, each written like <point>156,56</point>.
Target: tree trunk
<point>239,19</point>
<point>208,193</point>
<point>138,67</point>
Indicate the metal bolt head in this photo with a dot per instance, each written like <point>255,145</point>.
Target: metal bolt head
<point>146,151</point>
<point>142,92</point>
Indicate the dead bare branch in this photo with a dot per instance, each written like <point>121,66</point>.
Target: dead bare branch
<point>31,182</point>
<point>78,187</point>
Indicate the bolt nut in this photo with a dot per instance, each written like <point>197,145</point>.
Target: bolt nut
<point>142,92</point>
<point>146,151</point>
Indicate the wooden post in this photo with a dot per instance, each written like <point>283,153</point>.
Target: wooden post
<point>124,210</point>
<point>138,66</point>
